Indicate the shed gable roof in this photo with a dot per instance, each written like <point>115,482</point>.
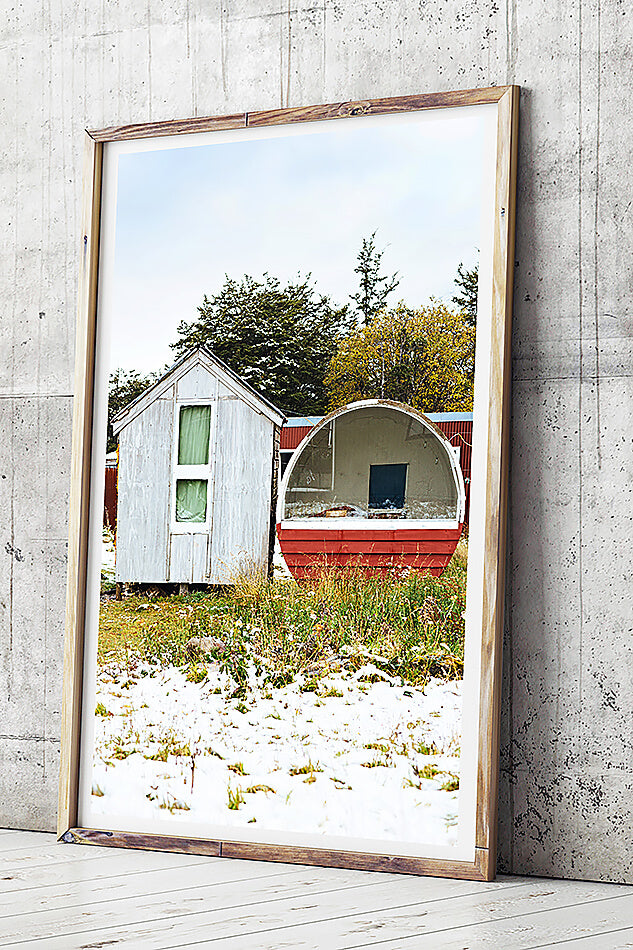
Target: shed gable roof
<point>199,356</point>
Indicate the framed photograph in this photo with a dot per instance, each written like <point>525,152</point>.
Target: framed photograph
<point>287,526</point>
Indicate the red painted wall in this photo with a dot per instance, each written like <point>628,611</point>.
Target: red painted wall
<point>458,434</point>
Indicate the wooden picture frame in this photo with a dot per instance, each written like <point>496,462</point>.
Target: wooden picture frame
<point>481,866</point>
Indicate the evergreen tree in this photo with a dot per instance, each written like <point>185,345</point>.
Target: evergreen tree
<point>374,289</point>
<point>280,339</point>
<point>467,282</point>
<point>125,385</point>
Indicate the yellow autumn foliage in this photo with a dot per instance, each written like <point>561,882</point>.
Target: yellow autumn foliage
<point>424,358</point>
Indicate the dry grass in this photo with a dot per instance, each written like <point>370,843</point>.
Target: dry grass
<point>409,626</point>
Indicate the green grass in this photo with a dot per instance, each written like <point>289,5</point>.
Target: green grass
<point>170,744</point>
<point>197,673</point>
<point>451,784</point>
<point>235,798</point>
<point>307,769</point>
<point>411,627</point>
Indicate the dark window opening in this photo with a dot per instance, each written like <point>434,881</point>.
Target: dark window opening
<point>285,458</point>
<point>387,485</point>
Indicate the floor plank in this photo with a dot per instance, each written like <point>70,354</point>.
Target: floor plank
<point>74,897</point>
<point>391,909</point>
<point>215,885</point>
<point>14,840</point>
<point>75,870</point>
<point>547,927</point>
<point>621,939</point>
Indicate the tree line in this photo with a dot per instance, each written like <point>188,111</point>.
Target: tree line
<point>307,355</point>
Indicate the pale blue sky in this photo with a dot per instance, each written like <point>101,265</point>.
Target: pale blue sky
<point>291,205</point>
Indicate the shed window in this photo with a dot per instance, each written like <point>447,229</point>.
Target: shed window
<point>387,486</point>
<point>192,469</point>
<point>193,440</point>
<point>191,500</point>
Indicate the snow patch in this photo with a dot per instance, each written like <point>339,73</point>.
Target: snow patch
<point>361,756</point>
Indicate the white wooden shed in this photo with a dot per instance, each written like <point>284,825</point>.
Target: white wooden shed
<point>197,477</point>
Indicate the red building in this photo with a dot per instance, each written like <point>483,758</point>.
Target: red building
<point>456,426</point>
<point>376,484</point>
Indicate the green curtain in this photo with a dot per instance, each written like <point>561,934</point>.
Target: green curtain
<point>191,500</point>
<point>193,442</point>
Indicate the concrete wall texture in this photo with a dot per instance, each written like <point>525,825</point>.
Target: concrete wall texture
<point>566,804</point>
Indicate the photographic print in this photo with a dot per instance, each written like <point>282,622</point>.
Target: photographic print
<point>287,504</point>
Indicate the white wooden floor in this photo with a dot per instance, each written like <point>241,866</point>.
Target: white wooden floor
<point>74,897</point>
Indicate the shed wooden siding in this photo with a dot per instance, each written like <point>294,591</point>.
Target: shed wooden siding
<point>242,491</point>
<point>150,547</point>
<point>144,495</point>
<point>189,553</point>
<point>458,432</point>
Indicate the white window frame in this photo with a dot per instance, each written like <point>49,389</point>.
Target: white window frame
<point>202,472</point>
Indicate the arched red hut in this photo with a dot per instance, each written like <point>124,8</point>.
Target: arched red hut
<point>375,484</point>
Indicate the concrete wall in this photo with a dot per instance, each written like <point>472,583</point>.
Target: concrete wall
<point>567,762</point>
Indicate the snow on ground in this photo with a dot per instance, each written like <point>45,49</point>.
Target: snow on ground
<point>289,760</point>
<point>108,553</point>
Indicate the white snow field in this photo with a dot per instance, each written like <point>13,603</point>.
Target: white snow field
<point>363,756</point>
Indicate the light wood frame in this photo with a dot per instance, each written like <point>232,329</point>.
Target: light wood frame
<point>506,99</point>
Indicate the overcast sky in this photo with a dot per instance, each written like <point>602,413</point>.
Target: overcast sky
<point>291,205</point>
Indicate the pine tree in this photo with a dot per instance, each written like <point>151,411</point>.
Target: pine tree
<point>280,339</point>
<point>124,387</point>
<point>467,282</point>
<point>374,289</point>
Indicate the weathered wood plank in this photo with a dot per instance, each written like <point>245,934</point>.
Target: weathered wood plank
<point>619,939</point>
<point>14,840</point>
<point>241,501</point>
<point>413,909</point>
<point>199,558</point>
<point>383,106</point>
<point>537,929</point>
<point>145,454</point>
<point>197,383</point>
<point>228,911</point>
<point>212,880</point>
<point>147,130</point>
<point>33,857</point>
<point>181,558</point>
<point>104,865</point>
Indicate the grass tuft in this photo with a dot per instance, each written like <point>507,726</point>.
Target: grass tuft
<point>235,798</point>
<point>451,784</point>
<point>307,769</point>
<point>410,627</point>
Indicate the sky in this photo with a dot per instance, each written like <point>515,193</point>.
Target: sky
<point>292,204</point>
